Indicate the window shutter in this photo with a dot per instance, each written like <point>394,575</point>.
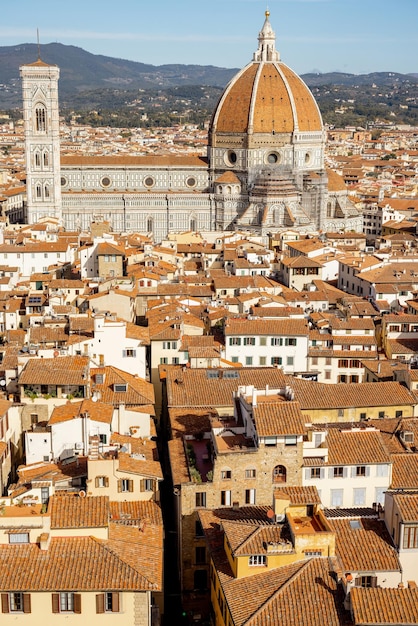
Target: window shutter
<point>307,473</point>
<point>142,484</point>
<point>124,353</point>
<point>367,470</point>
<point>100,603</point>
<point>106,481</point>
<point>373,581</point>
<point>5,603</point>
<point>131,485</point>
<point>322,472</point>
<point>77,603</point>
<point>345,472</point>
<point>353,472</point>
<point>154,485</point>
<point>55,602</point>
<point>331,472</point>
<point>115,602</point>
<point>26,603</point>
<point>97,481</point>
<point>357,581</point>
<point>119,485</point>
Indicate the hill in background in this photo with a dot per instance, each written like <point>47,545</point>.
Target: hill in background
<point>96,82</point>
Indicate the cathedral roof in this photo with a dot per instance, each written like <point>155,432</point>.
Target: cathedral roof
<point>266,96</point>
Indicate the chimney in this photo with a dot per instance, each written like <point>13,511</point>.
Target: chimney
<point>44,541</point>
<point>254,397</point>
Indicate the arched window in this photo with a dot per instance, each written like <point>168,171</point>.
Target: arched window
<point>46,191</point>
<point>38,191</point>
<point>37,159</point>
<point>150,225</point>
<point>40,118</point>
<point>279,474</point>
<point>193,225</point>
<point>46,158</point>
<point>329,209</point>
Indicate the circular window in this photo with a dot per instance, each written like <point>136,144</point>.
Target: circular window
<point>149,181</point>
<point>307,157</point>
<point>231,157</point>
<point>273,157</point>
<point>64,181</point>
<point>191,181</point>
<point>105,182</point>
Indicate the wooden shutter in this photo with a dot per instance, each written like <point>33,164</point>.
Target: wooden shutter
<point>5,603</point>
<point>55,602</point>
<point>100,603</point>
<point>97,481</point>
<point>131,485</point>
<point>142,484</point>
<point>77,602</point>
<point>373,581</point>
<point>115,602</point>
<point>26,603</point>
<point>119,485</point>
<point>106,481</point>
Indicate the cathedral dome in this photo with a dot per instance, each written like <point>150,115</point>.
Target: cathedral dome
<point>266,97</point>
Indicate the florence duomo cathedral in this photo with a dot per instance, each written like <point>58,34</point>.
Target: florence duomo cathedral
<point>264,171</point>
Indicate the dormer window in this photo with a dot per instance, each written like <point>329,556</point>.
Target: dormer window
<point>120,387</point>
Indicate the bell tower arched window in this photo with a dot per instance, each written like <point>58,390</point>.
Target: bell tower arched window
<point>40,119</point>
<point>38,191</point>
<point>46,191</point>
<point>46,158</point>
<point>150,225</point>
<point>37,159</point>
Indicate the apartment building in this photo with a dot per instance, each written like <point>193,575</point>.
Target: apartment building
<point>350,467</point>
<point>259,342</point>
<point>71,561</point>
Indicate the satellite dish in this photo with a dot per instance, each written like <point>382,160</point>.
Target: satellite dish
<point>2,382</point>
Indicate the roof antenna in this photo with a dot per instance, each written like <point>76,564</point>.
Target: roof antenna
<point>39,46</point>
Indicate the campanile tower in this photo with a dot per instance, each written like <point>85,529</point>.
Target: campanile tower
<point>42,141</point>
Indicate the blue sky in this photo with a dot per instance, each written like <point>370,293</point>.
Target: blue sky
<point>357,36</point>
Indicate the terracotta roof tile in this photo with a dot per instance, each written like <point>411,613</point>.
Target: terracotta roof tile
<point>404,471</point>
<point>355,447</point>
<point>194,388</point>
<point>367,547</point>
<point>279,418</point>
<point>407,504</point>
<point>392,607</point>
<point>69,564</point>
<point>74,511</point>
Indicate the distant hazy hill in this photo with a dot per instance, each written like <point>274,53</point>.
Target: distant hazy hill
<point>81,70</point>
<point>82,73</point>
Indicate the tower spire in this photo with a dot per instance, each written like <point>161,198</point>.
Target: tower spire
<point>39,45</point>
<point>267,43</point>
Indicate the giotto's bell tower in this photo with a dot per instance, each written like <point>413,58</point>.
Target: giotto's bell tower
<point>42,140</point>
